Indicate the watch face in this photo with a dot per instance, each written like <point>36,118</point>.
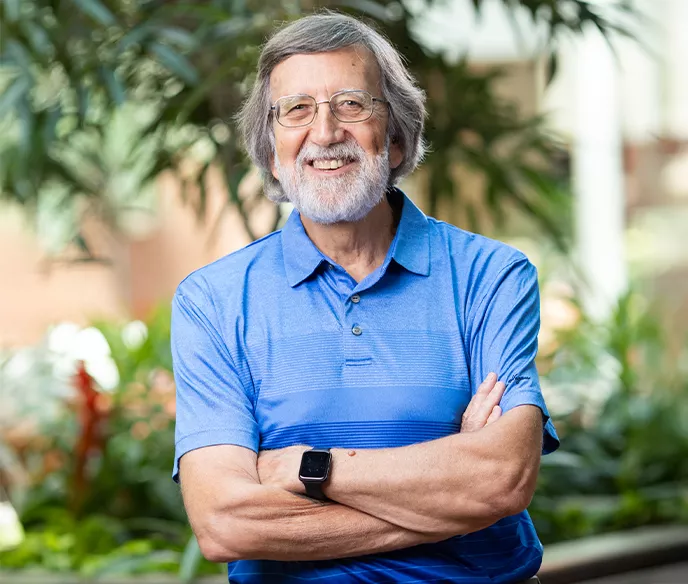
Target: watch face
<point>315,465</point>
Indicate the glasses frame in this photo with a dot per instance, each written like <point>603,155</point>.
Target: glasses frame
<point>273,107</point>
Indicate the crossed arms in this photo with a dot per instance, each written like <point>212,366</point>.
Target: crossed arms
<point>247,506</point>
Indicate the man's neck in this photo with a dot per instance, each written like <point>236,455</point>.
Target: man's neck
<point>360,247</point>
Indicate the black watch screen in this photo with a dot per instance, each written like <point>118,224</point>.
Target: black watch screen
<point>315,465</point>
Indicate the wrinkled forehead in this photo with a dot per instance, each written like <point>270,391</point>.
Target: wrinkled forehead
<point>322,74</point>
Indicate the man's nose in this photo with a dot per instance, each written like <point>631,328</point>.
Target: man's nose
<point>326,129</point>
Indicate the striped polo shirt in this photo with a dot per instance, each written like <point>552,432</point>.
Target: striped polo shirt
<point>276,345</point>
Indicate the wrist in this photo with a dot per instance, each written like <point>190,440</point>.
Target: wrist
<point>295,484</point>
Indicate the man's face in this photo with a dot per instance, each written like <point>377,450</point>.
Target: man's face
<point>349,192</point>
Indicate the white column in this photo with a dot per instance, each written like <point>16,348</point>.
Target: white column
<point>598,175</point>
<point>675,21</point>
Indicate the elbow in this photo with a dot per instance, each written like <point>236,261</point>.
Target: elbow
<point>227,547</point>
<point>217,551</point>
<point>219,544</point>
<point>509,492</point>
<point>226,535</point>
<point>515,502</point>
<point>517,490</point>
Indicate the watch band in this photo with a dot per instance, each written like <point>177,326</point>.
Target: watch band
<point>315,490</point>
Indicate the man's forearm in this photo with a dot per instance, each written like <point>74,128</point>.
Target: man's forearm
<point>266,522</point>
<point>457,484</point>
<point>453,485</point>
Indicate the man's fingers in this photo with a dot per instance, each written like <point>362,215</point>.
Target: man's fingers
<point>491,400</point>
<point>483,390</point>
<point>484,405</point>
<point>494,416</point>
<point>486,386</point>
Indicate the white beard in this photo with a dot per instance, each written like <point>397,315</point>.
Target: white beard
<point>336,199</point>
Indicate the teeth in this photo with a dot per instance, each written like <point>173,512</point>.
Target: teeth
<point>328,164</point>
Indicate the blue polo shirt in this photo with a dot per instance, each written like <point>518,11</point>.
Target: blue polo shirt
<point>276,345</point>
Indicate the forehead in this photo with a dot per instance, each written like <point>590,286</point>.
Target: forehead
<point>322,74</point>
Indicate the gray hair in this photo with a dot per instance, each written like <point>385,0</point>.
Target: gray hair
<point>320,33</point>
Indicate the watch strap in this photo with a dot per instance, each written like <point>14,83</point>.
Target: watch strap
<point>314,490</point>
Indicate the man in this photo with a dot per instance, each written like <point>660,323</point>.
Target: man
<point>366,331</point>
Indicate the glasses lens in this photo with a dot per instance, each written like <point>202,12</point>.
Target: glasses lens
<point>296,110</point>
<point>352,106</point>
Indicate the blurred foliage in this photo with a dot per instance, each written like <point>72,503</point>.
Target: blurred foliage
<point>100,96</point>
<point>119,512</point>
<point>617,393</point>
<point>623,461</point>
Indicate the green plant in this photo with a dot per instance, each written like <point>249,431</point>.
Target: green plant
<point>624,439</point>
<point>100,499</point>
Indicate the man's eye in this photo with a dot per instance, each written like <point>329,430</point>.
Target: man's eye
<point>298,110</point>
<point>298,107</point>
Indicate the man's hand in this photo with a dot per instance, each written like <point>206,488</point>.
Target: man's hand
<point>280,468</point>
<point>483,409</point>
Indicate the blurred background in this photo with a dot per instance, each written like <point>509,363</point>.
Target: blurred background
<point>558,126</point>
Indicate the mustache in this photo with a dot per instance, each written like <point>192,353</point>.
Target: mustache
<point>349,151</point>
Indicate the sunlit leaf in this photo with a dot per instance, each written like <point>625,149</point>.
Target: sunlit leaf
<point>97,10</point>
<point>176,63</point>
<point>177,36</point>
<point>18,53</point>
<point>133,564</point>
<point>190,562</point>
<point>231,28</point>
<point>136,35</point>
<point>38,38</point>
<point>113,84</point>
<point>52,117</point>
<point>12,9</point>
<point>83,96</point>
<point>13,94</point>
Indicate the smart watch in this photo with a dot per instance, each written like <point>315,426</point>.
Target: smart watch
<point>314,471</point>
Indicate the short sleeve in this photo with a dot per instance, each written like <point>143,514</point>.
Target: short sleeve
<point>214,402</point>
<point>503,339</point>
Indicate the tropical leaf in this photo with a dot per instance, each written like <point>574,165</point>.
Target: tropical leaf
<point>96,10</point>
<point>13,95</point>
<point>175,62</point>
<point>12,10</point>
<point>113,84</point>
<point>190,562</point>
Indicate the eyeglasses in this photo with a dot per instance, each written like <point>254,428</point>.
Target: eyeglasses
<point>350,106</point>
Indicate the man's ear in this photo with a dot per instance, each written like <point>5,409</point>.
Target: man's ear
<point>273,167</point>
<point>396,154</point>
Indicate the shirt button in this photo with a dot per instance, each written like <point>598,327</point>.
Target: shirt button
<point>357,330</point>
<point>355,299</point>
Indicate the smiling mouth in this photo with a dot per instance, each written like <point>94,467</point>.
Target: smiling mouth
<point>329,163</point>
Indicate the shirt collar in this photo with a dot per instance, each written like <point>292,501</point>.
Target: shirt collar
<point>411,245</point>
<point>412,241</point>
<point>301,257</point>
